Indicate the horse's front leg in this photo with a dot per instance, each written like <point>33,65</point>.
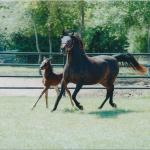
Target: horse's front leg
<point>77,89</point>
<point>44,90</point>
<point>59,96</point>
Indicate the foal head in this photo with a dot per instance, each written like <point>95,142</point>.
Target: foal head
<point>46,64</point>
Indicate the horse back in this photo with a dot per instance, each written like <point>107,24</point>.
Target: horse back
<point>53,79</point>
<point>112,64</point>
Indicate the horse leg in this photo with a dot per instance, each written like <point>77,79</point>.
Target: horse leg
<point>59,96</point>
<point>57,90</point>
<point>70,97</point>
<point>111,98</point>
<point>44,90</point>
<point>77,89</point>
<point>46,98</point>
<point>107,97</point>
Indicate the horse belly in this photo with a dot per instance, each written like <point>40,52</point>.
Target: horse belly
<point>52,82</point>
<point>87,76</point>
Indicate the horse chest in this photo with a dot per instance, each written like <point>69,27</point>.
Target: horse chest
<point>74,74</point>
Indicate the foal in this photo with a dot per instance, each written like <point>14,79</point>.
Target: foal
<point>50,79</point>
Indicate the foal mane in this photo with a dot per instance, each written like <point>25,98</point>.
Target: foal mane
<point>50,66</point>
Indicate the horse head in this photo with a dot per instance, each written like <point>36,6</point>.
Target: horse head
<point>46,63</point>
<point>70,41</point>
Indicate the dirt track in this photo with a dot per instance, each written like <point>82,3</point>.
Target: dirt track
<point>34,82</point>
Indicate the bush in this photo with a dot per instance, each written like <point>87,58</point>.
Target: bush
<point>102,39</point>
<point>137,39</point>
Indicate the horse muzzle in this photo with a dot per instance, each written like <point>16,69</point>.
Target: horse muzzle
<point>62,50</point>
<point>40,71</point>
<point>68,50</point>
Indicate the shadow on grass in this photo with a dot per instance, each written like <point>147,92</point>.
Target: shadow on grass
<point>111,113</point>
<point>72,110</point>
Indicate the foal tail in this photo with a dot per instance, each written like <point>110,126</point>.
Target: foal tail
<point>129,61</point>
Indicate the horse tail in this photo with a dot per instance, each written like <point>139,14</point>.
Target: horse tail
<point>129,61</point>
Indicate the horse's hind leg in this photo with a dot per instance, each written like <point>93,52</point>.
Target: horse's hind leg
<point>109,94</point>
<point>107,97</point>
<point>77,89</point>
<point>111,98</point>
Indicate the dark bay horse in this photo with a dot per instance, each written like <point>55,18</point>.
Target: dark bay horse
<point>50,79</point>
<point>83,70</point>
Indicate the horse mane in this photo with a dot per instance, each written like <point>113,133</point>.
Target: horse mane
<point>81,45</point>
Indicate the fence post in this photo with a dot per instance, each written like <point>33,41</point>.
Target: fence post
<point>64,59</point>
<point>148,40</point>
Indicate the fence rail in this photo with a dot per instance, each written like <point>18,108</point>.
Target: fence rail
<point>121,88</point>
<point>62,64</point>
<point>22,76</point>
<point>58,53</point>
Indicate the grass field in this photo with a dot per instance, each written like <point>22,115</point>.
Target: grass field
<point>127,127</point>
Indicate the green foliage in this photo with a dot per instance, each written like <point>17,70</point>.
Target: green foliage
<point>137,39</point>
<point>109,26</point>
<point>102,40</point>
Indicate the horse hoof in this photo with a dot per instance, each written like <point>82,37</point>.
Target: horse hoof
<point>114,105</point>
<point>100,107</point>
<point>53,110</point>
<point>81,107</point>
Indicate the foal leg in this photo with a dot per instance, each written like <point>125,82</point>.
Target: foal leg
<point>70,97</point>
<point>44,90</point>
<point>57,90</point>
<point>46,98</point>
<point>59,96</point>
<point>77,89</point>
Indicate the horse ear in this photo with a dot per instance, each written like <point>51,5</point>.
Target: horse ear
<point>44,58</point>
<point>72,34</point>
<point>63,32</point>
<point>49,59</point>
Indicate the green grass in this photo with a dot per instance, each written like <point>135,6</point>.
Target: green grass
<point>127,127</point>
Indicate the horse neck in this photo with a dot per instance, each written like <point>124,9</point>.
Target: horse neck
<point>48,72</point>
<point>75,57</point>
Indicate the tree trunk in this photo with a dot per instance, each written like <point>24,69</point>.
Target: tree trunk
<point>148,40</point>
<point>148,48</point>
<point>49,4</point>
<point>50,40</point>
<point>37,44</point>
<point>82,18</point>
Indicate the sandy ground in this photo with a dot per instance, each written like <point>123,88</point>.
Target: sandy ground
<point>36,82</point>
